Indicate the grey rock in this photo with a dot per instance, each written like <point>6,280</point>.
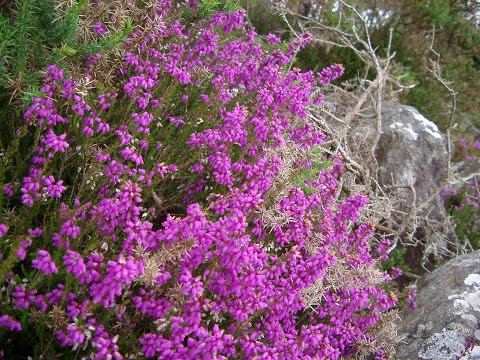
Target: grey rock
<point>411,151</point>
<point>448,312</point>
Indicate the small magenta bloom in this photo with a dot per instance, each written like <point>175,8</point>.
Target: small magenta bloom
<point>273,39</point>
<point>74,263</point>
<point>73,336</point>
<point>69,228</point>
<point>100,29</point>
<point>55,72</point>
<point>35,232</point>
<point>44,263</point>
<point>22,249</point>
<point>3,229</point>
<point>54,189</point>
<point>56,142</point>
<point>10,323</point>
<point>327,75</point>
<point>8,190</point>
<point>396,272</point>
<point>412,305</point>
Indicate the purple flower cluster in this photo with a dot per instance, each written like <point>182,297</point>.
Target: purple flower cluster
<point>44,263</point>
<point>10,323</point>
<point>119,273</point>
<point>214,279</point>
<point>411,299</point>
<point>330,73</point>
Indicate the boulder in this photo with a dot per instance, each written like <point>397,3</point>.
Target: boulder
<point>447,313</point>
<point>410,154</point>
<point>410,151</point>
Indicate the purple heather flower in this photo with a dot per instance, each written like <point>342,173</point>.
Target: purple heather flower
<point>55,72</point>
<point>22,298</point>
<point>73,336</point>
<point>44,263</point>
<point>119,273</point>
<point>22,249</point>
<point>383,248</point>
<point>69,228</point>
<point>412,305</point>
<point>37,232</point>
<point>396,272</point>
<point>318,99</point>
<point>56,295</point>
<point>56,142</point>
<point>10,323</point>
<point>273,39</point>
<point>74,263</point>
<point>53,188</point>
<point>100,29</point>
<point>3,229</point>
<point>8,190</point>
<point>106,347</point>
<point>329,74</point>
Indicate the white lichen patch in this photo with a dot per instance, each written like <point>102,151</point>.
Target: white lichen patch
<point>473,300</point>
<point>469,299</point>
<point>406,129</point>
<point>441,346</point>
<point>474,354</point>
<point>429,126</point>
<point>472,279</point>
<point>460,305</point>
<point>450,342</point>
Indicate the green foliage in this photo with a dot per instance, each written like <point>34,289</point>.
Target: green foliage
<point>468,223</point>
<point>66,31</point>
<point>208,7</point>
<point>457,40</point>
<point>33,35</point>
<point>437,12</point>
<point>309,174</point>
<point>29,31</point>
<point>396,259</point>
<point>467,220</point>
<point>264,20</point>
<point>103,44</point>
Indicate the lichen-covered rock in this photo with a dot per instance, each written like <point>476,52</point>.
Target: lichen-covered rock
<point>410,154</point>
<point>447,313</point>
<point>411,149</point>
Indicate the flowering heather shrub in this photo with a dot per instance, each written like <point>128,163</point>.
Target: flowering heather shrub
<point>158,218</point>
